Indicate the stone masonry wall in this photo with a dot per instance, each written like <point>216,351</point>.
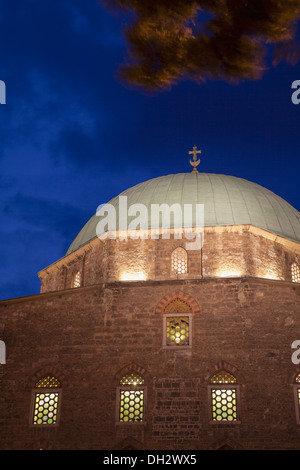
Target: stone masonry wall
<point>88,336</point>
<point>225,252</point>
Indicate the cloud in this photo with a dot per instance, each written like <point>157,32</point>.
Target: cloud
<point>167,41</point>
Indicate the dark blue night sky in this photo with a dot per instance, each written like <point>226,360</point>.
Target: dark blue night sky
<point>73,135</point>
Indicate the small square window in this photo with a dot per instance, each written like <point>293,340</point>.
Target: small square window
<point>177,330</point>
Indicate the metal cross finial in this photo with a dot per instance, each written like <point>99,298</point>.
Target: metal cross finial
<point>195,162</point>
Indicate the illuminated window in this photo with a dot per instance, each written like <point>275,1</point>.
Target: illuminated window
<point>297,397</point>
<point>224,398</point>
<point>132,379</point>
<point>179,261</point>
<point>178,305</point>
<point>177,330</point>
<point>223,377</point>
<point>131,399</point>
<point>77,280</point>
<point>295,272</point>
<point>46,401</point>
<point>177,323</point>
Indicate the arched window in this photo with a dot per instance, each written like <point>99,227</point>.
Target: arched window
<point>224,398</point>
<point>295,270</point>
<point>46,398</point>
<point>131,396</point>
<point>177,323</point>
<point>297,397</point>
<point>179,261</point>
<point>76,280</point>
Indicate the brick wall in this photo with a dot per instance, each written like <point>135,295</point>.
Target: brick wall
<point>226,251</point>
<point>87,336</point>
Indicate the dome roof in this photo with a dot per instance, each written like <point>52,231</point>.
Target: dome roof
<point>227,200</point>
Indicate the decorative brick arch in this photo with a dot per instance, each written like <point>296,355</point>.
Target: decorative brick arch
<point>160,307</point>
<point>129,443</point>
<point>44,372</point>
<point>223,365</point>
<point>132,367</point>
<point>226,444</point>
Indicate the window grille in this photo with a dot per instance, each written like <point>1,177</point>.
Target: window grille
<point>77,280</point>
<point>132,379</point>
<point>46,397</point>
<point>177,324</point>
<point>177,331</point>
<point>179,261</point>
<point>295,272</point>
<point>178,305</point>
<point>48,382</point>
<point>224,398</point>
<point>131,398</point>
<point>223,377</point>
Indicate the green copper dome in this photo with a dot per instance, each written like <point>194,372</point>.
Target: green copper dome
<point>227,200</point>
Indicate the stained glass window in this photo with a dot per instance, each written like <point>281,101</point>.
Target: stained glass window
<point>224,404</point>
<point>223,377</point>
<point>77,280</point>
<point>178,305</point>
<point>224,399</point>
<point>132,379</point>
<point>48,382</point>
<point>45,408</point>
<point>131,405</point>
<point>177,331</point>
<point>179,261</point>
<point>131,398</point>
<point>295,272</point>
<point>46,402</point>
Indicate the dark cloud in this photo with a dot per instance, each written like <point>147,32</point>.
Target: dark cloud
<point>166,44</point>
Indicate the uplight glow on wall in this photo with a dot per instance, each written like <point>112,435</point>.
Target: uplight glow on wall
<point>133,276</point>
<point>228,273</point>
<point>270,275</point>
